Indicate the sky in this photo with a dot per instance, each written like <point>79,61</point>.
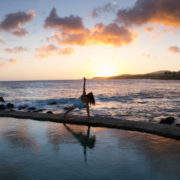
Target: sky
<point>53,39</point>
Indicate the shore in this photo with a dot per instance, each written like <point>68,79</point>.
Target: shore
<point>99,121</point>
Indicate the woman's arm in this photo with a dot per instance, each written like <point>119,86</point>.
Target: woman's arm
<point>84,86</point>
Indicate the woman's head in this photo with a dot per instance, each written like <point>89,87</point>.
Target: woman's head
<point>91,99</point>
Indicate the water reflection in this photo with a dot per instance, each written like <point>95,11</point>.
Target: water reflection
<point>117,154</point>
<point>85,140</point>
<point>19,137</point>
<point>55,134</point>
<point>161,154</point>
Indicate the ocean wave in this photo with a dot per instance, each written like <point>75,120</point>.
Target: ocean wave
<point>44,103</point>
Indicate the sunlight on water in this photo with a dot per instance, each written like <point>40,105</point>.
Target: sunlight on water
<point>45,150</point>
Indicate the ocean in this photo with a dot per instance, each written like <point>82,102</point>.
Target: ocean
<point>138,100</point>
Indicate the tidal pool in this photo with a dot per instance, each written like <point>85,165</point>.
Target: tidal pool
<point>45,150</point>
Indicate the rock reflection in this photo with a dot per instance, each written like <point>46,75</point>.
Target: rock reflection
<point>85,140</point>
<point>20,137</point>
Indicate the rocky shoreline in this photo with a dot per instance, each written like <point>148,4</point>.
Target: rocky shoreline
<point>166,126</point>
<point>99,121</point>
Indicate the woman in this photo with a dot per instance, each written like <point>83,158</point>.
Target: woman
<point>83,101</point>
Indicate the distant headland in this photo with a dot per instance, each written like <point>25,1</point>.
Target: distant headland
<point>159,75</point>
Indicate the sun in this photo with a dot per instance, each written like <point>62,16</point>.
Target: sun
<point>105,70</point>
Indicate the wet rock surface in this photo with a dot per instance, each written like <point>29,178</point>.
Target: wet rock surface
<point>2,99</point>
<point>49,112</point>
<point>2,107</point>
<point>31,109</point>
<point>10,105</point>
<point>100,121</point>
<point>168,120</point>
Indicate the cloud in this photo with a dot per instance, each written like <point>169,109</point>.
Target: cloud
<point>8,62</point>
<point>66,51</point>
<point>2,64</point>
<point>107,8</point>
<point>19,49</point>
<point>166,12</point>
<point>51,50</point>
<point>148,29</point>
<point>76,34</point>
<point>70,23</point>
<point>174,49</point>
<point>110,34</point>
<point>13,22</point>
<point>13,61</point>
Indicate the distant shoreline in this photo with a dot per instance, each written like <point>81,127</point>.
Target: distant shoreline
<point>158,75</point>
<point>100,121</point>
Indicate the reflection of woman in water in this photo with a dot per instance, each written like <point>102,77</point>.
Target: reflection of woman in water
<point>85,139</point>
<point>83,101</point>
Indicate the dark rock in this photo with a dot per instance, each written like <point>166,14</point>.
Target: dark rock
<point>22,107</point>
<point>67,108</point>
<point>39,110</point>
<point>2,99</point>
<point>2,107</point>
<point>32,109</point>
<point>168,120</point>
<point>49,112</point>
<point>10,105</point>
<point>52,103</point>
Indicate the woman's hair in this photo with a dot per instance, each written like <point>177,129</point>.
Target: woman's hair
<point>91,98</point>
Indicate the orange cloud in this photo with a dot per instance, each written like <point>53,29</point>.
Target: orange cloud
<point>66,51</point>
<point>70,31</point>
<point>51,50</point>
<point>8,62</point>
<point>166,12</point>
<point>13,22</point>
<point>111,34</point>
<point>13,61</point>
<point>174,49</point>
<point>2,64</point>
<point>19,49</point>
<point>148,29</point>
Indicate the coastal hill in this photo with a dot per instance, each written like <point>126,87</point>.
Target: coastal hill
<point>161,75</point>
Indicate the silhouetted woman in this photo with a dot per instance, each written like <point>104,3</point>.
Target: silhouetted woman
<point>83,101</point>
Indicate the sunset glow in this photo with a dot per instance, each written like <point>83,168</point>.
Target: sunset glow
<point>105,70</point>
<point>106,38</point>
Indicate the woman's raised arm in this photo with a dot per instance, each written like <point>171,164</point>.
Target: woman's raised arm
<point>84,86</point>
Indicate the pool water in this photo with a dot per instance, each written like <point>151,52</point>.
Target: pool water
<point>45,150</point>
